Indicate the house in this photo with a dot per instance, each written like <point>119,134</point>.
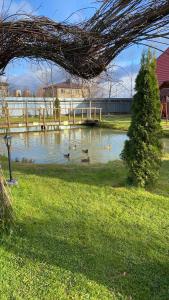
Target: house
<point>4,89</point>
<point>66,89</point>
<point>26,93</point>
<point>163,67</point>
<point>163,80</point>
<point>40,92</point>
<point>17,93</point>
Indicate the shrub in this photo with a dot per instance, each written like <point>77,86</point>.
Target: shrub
<point>57,108</point>
<point>142,152</point>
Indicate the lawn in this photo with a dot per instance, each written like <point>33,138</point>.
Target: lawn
<point>122,122</point>
<point>81,234</point>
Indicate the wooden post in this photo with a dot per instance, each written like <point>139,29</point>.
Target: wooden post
<point>7,115</point>
<point>50,108</point>
<point>23,113</point>
<point>90,111</point>
<point>74,116</point>
<point>40,115</point>
<point>26,118</point>
<point>166,110</point>
<point>69,114</point>
<point>100,114</point>
<point>82,115</point>
<point>60,119</point>
<point>161,110</point>
<point>44,118</point>
<point>95,113</point>
<point>26,113</point>
<point>35,109</point>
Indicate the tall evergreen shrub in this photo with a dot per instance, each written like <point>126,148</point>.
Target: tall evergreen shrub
<point>142,152</point>
<point>57,107</point>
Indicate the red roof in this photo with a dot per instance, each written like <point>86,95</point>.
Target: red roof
<point>163,67</point>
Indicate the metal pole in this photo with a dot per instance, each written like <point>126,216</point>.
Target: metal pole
<point>9,163</point>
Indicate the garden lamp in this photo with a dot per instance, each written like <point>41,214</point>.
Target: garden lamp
<point>8,142</point>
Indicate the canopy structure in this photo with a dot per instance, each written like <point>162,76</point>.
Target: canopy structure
<point>86,49</point>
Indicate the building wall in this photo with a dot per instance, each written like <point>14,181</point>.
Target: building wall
<point>26,93</point>
<point>66,92</point>
<point>3,90</point>
<point>163,67</point>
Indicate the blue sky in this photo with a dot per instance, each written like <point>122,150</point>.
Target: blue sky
<point>23,74</point>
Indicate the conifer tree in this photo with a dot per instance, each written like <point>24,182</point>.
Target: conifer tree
<point>57,107</point>
<point>142,152</point>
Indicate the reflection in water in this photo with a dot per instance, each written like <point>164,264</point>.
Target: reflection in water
<point>49,147</point>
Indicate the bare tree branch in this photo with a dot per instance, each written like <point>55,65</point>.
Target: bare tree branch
<point>85,49</point>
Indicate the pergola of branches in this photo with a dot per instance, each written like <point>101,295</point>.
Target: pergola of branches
<point>85,49</point>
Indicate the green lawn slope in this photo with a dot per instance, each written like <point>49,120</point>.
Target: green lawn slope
<point>81,233</point>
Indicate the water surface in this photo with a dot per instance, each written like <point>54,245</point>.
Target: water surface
<point>102,144</point>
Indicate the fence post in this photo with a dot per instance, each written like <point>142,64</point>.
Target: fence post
<point>44,118</point>
<point>90,111</point>
<point>95,113</point>
<point>26,113</point>
<point>74,116</point>
<point>69,114</point>
<point>26,117</point>
<point>7,117</point>
<point>60,119</point>
<point>100,114</point>
<point>40,115</point>
<point>82,115</point>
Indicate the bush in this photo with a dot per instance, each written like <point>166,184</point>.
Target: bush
<point>142,152</point>
<point>57,108</point>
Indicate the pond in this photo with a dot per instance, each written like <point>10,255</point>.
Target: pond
<point>102,145</point>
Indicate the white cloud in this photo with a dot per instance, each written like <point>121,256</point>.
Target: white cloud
<point>8,8</point>
<point>35,77</point>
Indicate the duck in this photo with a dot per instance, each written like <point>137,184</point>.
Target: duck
<point>85,151</point>
<point>108,147</point>
<point>74,147</point>
<point>67,155</point>
<point>85,160</point>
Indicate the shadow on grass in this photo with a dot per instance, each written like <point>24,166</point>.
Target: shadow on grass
<point>111,174</point>
<point>122,264</point>
<point>126,258</point>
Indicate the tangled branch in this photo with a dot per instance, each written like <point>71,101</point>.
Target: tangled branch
<point>86,49</point>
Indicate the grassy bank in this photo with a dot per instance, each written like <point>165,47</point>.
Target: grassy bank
<point>82,234</point>
<point>122,122</point>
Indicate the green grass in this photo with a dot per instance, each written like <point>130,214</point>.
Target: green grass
<point>16,120</point>
<point>81,233</point>
<point>122,122</point>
